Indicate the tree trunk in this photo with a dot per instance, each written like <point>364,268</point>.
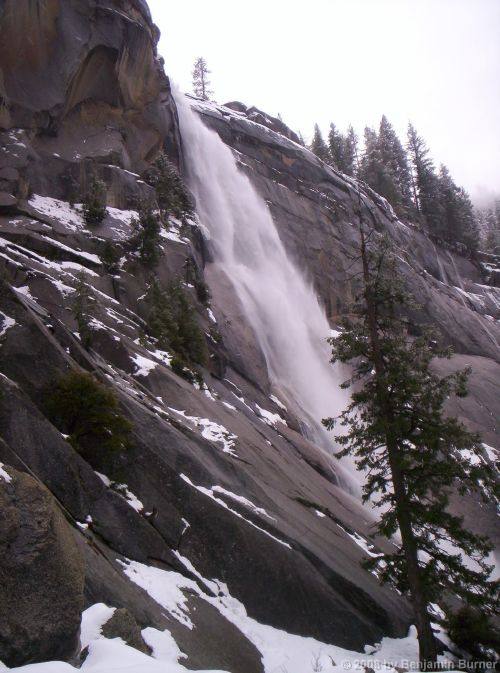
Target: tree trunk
<point>426,640</point>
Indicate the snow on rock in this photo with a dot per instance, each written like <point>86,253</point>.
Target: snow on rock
<point>208,393</point>
<point>278,402</point>
<point>210,493</point>
<point>132,499</point>
<point>144,365</point>
<point>106,480</point>
<point>270,418</point>
<point>244,501</point>
<point>64,289</point>
<point>58,210</point>
<point>125,216</point>
<point>93,619</point>
<point>361,542</point>
<point>165,357</point>
<point>212,431</point>
<point>173,233</point>
<point>5,323</point>
<point>79,253</point>
<point>113,655</point>
<point>491,452</point>
<point>280,650</point>
<point>4,475</point>
<point>164,587</point>
<point>162,645</point>
<point>25,291</point>
<point>123,490</point>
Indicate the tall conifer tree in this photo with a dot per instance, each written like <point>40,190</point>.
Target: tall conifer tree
<point>412,455</point>
<point>201,81</point>
<point>319,147</point>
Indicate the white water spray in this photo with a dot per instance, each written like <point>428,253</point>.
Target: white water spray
<point>279,304</point>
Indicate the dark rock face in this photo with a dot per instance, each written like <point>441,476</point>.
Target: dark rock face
<point>41,575</point>
<point>252,504</point>
<point>79,79</point>
<point>123,625</point>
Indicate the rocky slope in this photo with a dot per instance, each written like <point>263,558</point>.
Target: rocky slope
<point>216,483</point>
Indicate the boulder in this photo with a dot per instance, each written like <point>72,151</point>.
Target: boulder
<point>41,575</point>
<point>123,625</point>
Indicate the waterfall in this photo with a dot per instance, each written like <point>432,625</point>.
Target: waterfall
<point>278,302</point>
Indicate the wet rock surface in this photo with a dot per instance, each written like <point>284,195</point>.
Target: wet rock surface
<point>248,501</point>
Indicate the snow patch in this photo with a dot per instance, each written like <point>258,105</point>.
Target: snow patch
<point>6,323</point>
<point>270,418</point>
<point>93,619</point>
<point>4,475</point>
<point>164,587</point>
<point>123,490</point>
<point>209,492</point>
<point>144,365</point>
<point>278,402</point>
<point>58,210</point>
<point>212,431</point>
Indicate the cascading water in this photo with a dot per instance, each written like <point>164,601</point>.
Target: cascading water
<point>279,304</point>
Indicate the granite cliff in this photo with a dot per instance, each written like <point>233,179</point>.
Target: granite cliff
<point>220,492</point>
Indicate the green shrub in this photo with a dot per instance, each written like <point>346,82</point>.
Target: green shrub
<point>94,203</point>
<point>171,193</point>
<point>87,410</point>
<point>81,311</point>
<point>147,239</point>
<point>111,257</point>
<point>472,630</point>
<point>172,321</point>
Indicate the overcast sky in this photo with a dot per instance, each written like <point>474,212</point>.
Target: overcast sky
<point>435,62</point>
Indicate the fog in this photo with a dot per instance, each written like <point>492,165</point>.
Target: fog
<point>434,62</point>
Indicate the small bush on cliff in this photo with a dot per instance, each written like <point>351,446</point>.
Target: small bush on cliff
<point>147,238</point>
<point>111,258</point>
<point>171,193</point>
<point>81,310</point>
<point>94,203</point>
<point>172,321</point>
<point>87,410</point>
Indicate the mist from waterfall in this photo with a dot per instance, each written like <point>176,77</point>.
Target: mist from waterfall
<point>280,305</point>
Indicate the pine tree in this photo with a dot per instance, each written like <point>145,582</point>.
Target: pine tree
<point>336,148</point>
<point>88,411</point>
<point>351,159</point>
<point>412,455</point>
<point>171,193</point>
<point>458,221</point>
<point>425,186</point>
<point>94,202</point>
<point>371,168</point>
<point>172,321</point>
<point>111,257</point>
<point>201,82</point>
<point>393,156</point>
<point>147,238</point>
<point>319,147</point>
<point>81,311</point>
<point>490,230</point>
